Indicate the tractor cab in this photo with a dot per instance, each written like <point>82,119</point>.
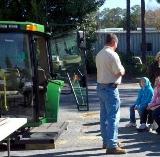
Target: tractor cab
<point>69,63</point>
<point>25,70</point>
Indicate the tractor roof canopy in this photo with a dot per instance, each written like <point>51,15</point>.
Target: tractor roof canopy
<point>21,26</point>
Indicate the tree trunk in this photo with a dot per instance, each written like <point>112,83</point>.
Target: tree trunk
<point>128,51</point>
<point>143,45</point>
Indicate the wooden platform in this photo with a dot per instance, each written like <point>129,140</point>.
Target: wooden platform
<point>42,137</point>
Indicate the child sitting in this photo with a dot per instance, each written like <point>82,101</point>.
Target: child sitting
<point>144,98</point>
<point>155,103</point>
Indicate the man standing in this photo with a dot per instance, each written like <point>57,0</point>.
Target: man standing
<point>109,75</point>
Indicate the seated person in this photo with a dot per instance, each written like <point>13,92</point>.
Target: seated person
<point>156,98</point>
<point>154,106</point>
<point>144,98</point>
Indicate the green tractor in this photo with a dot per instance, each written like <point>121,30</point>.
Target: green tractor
<point>32,68</point>
<point>27,85</point>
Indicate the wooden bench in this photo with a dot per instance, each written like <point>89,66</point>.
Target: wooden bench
<point>9,126</point>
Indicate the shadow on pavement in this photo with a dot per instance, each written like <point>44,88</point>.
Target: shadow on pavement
<point>90,124</point>
<point>70,153</point>
<point>93,132</point>
<point>139,142</point>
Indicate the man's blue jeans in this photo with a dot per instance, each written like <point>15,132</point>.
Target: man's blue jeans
<point>109,114</point>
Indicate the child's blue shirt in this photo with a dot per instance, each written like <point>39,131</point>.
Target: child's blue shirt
<point>144,96</point>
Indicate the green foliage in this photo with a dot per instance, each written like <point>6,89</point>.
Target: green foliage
<point>10,10</point>
<point>133,25</point>
<point>60,14</point>
<point>116,17</point>
<point>90,25</point>
<point>133,68</point>
<point>150,60</point>
<point>127,63</point>
<point>110,17</point>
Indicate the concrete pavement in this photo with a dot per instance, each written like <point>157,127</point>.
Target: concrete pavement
<point>82,139</point>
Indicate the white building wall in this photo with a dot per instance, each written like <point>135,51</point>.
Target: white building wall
<point>152,37</point>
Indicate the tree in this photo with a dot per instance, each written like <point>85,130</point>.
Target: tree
<point>90,26</point>
<point>10,10</point>
<point>117,17</point>
<point>128,27</point>
<point>135,14</point>
<point>157,19</point>
<point>111,17</point>
<point>143,45</point>
<point>58,13</point>
<point>150,18</point>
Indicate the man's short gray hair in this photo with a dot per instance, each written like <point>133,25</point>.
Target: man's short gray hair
<point>110,37</point>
